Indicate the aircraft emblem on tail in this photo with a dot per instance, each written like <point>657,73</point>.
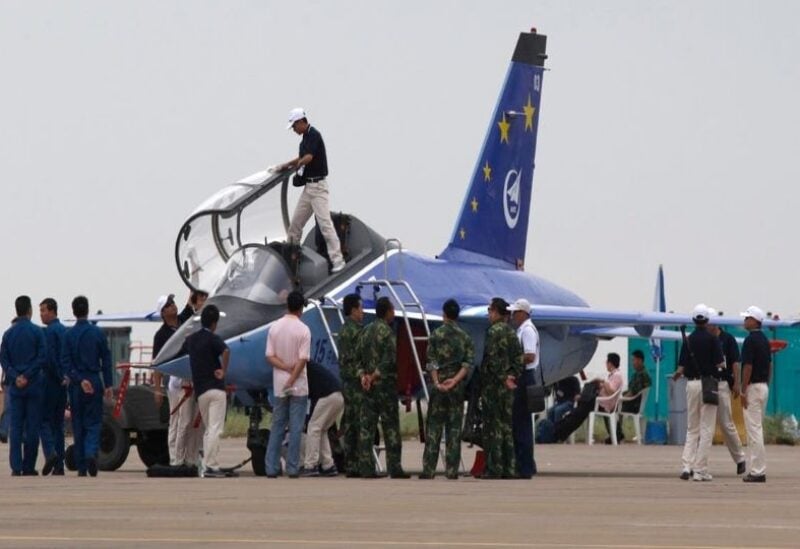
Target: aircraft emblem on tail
<point>511,198</point>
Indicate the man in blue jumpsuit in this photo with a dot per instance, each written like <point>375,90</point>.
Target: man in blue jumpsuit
<point>55,390</point>
<point>23,353</point>
<point>86,357</point>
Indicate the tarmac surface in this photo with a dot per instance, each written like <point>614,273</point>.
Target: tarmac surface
<point>597,497</point>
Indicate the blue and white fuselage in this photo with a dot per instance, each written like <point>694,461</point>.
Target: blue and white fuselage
<point>234,245</point>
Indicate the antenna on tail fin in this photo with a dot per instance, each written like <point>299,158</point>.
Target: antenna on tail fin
<point>492,227</point>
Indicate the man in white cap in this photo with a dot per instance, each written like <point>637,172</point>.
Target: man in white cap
<point>756,370</point>
<point>178,440</point>
<point>701,355</point>
<point>729,384</point>
<point>521,421</point>
<point>312,169</point>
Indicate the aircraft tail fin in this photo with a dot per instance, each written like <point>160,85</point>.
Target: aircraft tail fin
<point>493,223</point>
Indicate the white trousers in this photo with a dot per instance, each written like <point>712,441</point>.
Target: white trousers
<point>314,199</point>
<point>173,397</point>
<point>700,428</point>
<point>212,405</point>
<point>318,448</point>
<point>726,425</point>
<point>757,395</point>
<point>189,438</point>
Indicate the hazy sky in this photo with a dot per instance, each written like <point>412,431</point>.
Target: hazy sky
<point>668,134</point>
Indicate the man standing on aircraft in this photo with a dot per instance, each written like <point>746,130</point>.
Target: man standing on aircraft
<point>522,423</point>
<point>501,366</point>
<point>756,372</point>
<point>377,349</point>
<point>701,355</point>
<point>288,351</point>
<point>312,169</point>
<point>351,383</point>
<point>728,383</point>
<point>86,358</point>
<point>55,390</point>
<point>23,355</point>
<point>450,357</point>
<point>208,379</point>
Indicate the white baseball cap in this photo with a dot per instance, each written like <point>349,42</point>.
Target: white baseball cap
<point>297,113</point>
<point>700,312</point>
<point>712,312</point>
<point>520,305</point>
<point>755,313</point>
<point>163,301</point>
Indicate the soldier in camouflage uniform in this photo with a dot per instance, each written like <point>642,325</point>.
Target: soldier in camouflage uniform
<point>501,365</point>
<point>377,349</point>
<point>351,384</point>
<point>450,357</point>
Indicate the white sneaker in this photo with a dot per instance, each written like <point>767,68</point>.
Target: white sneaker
<point>701,477</point>
<point>338,267</point>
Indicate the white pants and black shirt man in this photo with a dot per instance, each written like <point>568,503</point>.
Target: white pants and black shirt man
<point>312,169</point>
<point>728,388</point>
<point>756,371</point>
<point>208,358</point>
<point>701,355</point>
<point>327,401</point>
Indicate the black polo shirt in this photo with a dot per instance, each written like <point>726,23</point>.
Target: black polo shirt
<point>313,144</point>
<point>162,336</point>
<point>165,331</point>
<point>321,381</point>
<point>755,351</point>
<point>730,349</point>
<point>707,353</point>
<point>204,349</point>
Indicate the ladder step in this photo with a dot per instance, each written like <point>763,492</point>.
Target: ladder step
<point>413,304</point>
<point>421,338</point>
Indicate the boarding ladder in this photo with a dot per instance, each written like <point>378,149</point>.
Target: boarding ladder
<point>406,300</point>
<point>328,304</point>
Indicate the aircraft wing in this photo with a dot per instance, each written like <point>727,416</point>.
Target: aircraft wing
<point>153,316</point>
<point>644,323</point>
<point>603,333</point>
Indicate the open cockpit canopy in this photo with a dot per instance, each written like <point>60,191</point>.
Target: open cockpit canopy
<point>237,220</point>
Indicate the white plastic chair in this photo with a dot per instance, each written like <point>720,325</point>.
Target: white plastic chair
<point>601,412</point>
<point>637,415</point>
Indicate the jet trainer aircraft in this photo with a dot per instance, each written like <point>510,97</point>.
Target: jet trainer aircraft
<point>234,245</point>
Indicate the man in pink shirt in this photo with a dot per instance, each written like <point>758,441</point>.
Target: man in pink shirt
<point>288,351</point>
<point>608,386</point>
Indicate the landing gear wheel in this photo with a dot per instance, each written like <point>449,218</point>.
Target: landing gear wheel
<point>69,458</point>
<point>257,444</point>
<point>152,447</point>
<point>114,445</point>
<point>336,448</point>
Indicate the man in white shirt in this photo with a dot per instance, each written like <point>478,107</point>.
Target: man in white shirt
<point>521,420</point>
<point>288,351</point>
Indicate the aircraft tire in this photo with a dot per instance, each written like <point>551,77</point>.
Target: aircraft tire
<point>152,447</point>
<point>257,444</point>
<point>259,467</point>
<point>114,445</point>
<point>69,458</point>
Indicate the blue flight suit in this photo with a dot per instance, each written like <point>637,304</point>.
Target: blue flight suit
<point>85,356</point>
<point>55,396</point>
<point>23,352</point>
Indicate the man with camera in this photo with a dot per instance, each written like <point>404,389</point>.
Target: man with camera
<point>312,169</point>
